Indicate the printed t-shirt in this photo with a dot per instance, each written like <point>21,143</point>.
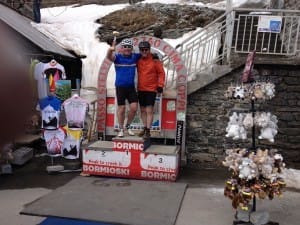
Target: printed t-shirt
<point>75,110</point>
<point>50,109</point>
<point>71,146</point>
<point>54,141</point>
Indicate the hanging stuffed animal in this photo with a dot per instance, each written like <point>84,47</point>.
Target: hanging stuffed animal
<point>269,90</point>
<point>248,121</point>
<point>258,92</point>
<point>239,92</point>
<point>261,119</point>
<point>247,169</point>
<point>229,92</point>
<point>242,130</point>
<point>233,158</point>
<point>233,128</point>
<point>269,127</point>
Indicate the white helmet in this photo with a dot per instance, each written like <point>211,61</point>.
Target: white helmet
<point>127,41</point>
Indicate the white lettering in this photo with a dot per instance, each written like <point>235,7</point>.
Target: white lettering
<point>105,170</point>
<point>158,175</point>
<point>128,146</point>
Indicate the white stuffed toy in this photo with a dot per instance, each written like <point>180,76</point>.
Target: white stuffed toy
<point>261,119</point>
<point>269,90</point>
<point>242,130</point>
<point>269,129</point>
<point>247,169</point>
<point>233,128</point>
<point>248,121</point>
<point>239,93</point>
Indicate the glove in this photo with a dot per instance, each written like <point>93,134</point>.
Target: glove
<point>155,56</point>
<point>159,90</point>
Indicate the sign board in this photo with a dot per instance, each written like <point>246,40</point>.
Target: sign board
<point>131,163</point>
<point>63,89</point>
<point>269,24</point>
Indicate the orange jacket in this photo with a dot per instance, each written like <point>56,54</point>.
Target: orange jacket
<point>151,74</point>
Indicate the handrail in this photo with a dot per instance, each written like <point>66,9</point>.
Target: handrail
<point>235,32</point>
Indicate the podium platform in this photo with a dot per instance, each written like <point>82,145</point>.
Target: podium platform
<point>131,157</point>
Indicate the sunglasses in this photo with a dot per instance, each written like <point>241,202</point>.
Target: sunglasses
<point>127,46</point>
<point>144,49</point>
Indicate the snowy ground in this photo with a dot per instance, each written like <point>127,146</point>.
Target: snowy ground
<point>74,28</point>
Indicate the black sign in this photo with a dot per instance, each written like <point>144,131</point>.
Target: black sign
<point>179,132</point>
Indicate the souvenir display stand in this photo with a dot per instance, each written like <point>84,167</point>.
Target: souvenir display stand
<point>63,116</point>
<point>255,172</point>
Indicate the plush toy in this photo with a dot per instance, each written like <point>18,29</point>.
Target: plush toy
<point>248,121</point>
<point>233,158</point>
<point>247,169</point>
<point>267,133</point>
<point>239,92</point>
<point>269,90</point>
<point>261,119</point>
<point>268,122</point>
<point>229,92</point>
<point>233,127</point>
<point>258,91</point>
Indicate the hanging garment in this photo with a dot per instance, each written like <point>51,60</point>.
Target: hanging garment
<point>50,109</point>
<point>71,146</point>
<point>54,71</point>
<point>52,67</point>
<point>54,141</point>
<point>75,110</point>
<point>39,77</point>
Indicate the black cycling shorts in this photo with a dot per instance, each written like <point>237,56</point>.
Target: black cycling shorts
<point>146,98</point>
<point>124,93</point>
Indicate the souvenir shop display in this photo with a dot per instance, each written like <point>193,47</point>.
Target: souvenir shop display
<point>63,138</point>
<point>255,172</point>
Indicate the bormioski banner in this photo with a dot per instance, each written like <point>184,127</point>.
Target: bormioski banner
<point>127,159</point>
<point>181,85</point>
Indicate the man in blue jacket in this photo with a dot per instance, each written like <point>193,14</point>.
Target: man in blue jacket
<point>125,66</point>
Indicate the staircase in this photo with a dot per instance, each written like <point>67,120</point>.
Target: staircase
<point>223,45</point>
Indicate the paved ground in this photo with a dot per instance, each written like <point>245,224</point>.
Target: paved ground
<point>203,203</point>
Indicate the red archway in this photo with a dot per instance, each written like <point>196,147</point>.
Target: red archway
<point>181,86</point>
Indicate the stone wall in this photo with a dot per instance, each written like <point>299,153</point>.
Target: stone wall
<point>208,113</point>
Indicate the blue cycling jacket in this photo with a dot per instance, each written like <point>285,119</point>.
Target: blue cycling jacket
<point>125,67</point>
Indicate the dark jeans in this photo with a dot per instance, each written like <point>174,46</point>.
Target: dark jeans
<point>36,11</point>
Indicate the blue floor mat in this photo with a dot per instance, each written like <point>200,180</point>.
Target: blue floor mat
<point>61,221</point>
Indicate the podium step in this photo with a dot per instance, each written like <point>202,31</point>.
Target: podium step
<point>126,158</point>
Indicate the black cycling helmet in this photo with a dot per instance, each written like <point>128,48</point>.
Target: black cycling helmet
<point>144,44</point>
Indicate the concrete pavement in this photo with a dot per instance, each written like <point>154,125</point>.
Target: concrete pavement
<point>203,203</point>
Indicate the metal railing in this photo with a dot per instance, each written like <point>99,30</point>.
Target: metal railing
<point>236,31</point>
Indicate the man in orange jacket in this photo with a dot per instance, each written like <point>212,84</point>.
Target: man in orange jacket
<point>151,81</point>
